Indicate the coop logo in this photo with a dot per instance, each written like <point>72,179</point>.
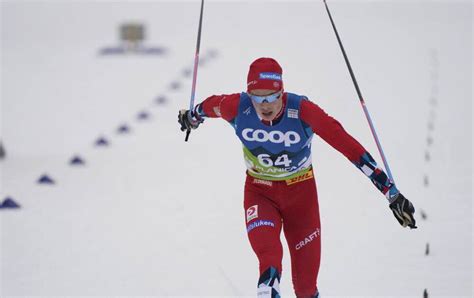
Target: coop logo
<point>259,135</point>
<point>270,76</point>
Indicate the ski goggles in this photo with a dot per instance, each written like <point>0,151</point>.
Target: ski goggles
<point>267,98</point>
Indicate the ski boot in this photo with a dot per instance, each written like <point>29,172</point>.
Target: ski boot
<point>269,284</point>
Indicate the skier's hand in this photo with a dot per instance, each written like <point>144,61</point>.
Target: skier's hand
<point>189,120</point>
<point>403,211</point>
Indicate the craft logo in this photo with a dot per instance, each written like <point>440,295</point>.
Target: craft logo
<point>308,239</point>
<point>275,136</point>
<point>260,223</point>
<point>252,213</point>
<point>270,76</point>
<point>247,111</point>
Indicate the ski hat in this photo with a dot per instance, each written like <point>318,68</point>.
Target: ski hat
<point>265,73</point>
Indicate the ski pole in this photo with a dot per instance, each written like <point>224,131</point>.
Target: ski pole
<point>196,63</point>
<point>361,99</point>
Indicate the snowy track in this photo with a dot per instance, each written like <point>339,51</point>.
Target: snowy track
<point>151,215</point>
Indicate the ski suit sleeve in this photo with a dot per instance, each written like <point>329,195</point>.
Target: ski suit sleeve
<point>331,131</point>
<point>224,106</point>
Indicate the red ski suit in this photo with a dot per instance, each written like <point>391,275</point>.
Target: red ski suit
<point>292,204</point>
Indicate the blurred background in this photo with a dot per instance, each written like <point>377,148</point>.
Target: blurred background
<point>101,196</point>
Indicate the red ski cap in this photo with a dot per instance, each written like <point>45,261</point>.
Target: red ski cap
<point>265,73</point>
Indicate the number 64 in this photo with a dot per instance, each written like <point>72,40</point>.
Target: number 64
<point>266,161</point>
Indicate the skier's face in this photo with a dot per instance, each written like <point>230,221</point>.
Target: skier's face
<point>267,110</point>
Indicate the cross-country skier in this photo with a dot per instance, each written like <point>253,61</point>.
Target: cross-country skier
<point>276,129</point>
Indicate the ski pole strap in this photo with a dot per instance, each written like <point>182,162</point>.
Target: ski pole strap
<point>369,167</point>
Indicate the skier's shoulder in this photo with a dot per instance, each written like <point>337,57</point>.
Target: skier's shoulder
<point>221,105</point>
<point>304,102</point>
<point>227,105</point>
<point>295,96</point>
<point>308,104</point>
<point>310,111</point>
<point>300,99</point>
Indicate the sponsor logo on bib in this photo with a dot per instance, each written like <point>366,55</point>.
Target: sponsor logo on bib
<point>259,135</point>
<point>308,239</point>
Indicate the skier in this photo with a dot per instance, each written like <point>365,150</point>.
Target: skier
<point>276,130</point>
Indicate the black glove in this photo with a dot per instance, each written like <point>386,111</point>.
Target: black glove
<point>403,211</point>
<point>189,120</point>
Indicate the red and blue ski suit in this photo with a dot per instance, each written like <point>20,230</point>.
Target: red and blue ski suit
<point>280,190</point>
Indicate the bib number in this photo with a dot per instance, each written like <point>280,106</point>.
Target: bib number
<point>266,161</point>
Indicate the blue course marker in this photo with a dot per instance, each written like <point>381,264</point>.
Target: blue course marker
<point>143,115</point>
<point>161,100</point>
<point>213,53</point>
<point>9,203</point>
<point>123,129</point>
<point>187,72</point>
<point>77,161</point>
<point>175,85</point>
<point>100,142</point>
<point>45,179</point>
<point>2,151</point>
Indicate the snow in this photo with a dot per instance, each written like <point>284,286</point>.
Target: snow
<point>151,215</point>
